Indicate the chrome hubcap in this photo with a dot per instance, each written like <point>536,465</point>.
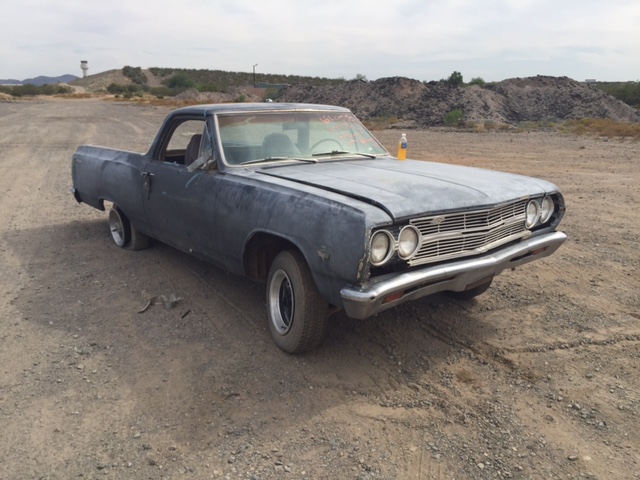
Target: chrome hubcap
<point>281,302</point>
<point>117,229</point>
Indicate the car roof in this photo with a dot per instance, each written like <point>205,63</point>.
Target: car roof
<point>216,108</point>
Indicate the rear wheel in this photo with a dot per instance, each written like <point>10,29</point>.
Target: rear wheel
<point>297,313</point>
<point>120,227</point>
<point>124,233</point>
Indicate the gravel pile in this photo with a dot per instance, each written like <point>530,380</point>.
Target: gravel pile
<point>416,103</point>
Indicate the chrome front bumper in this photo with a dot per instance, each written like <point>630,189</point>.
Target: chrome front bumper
<point>387,291</point>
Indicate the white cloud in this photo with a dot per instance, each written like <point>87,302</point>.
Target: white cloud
<point>421,39</point>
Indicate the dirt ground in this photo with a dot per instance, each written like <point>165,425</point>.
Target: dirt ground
<point>537,378</point>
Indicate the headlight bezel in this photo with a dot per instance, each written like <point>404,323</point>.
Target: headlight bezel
<point>395,236</point>
<point>389,249</point>
<point>531,217</point>
<point>416,243</point>
<point>546,212</point>
<point>542,211</point>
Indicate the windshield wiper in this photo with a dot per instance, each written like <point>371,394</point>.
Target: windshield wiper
<point>343,152</point>
<point>275,159</point>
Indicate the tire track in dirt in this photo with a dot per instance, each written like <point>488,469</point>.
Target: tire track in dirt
<point>433,388</point>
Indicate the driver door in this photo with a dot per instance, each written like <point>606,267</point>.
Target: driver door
<point>178,203</point>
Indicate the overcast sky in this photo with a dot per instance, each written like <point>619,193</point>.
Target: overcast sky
<point>420,39</point>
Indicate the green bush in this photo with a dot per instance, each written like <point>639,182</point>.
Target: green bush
<point>477,81</point>
<point>628,92</point>
<point>181,81</point>
<point>223,81</point>
<point>119,88</point>
<point>30,90</point>
<point>455,79</point>
<point>162,92</point>
<point>453,118</point>
<point>135,74</point>
<point>209,87</point>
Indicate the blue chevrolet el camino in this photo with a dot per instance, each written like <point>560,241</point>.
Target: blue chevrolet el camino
<point>304,198</point>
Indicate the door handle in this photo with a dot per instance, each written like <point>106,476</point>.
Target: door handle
<point>146,183</point>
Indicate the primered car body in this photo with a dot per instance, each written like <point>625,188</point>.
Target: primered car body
<point>304,198</point>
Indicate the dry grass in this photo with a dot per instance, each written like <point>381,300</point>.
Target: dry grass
<point>151,100</point>
<point>586,126</point>
<point>380,123</point>
<point>77,95</point>
<point>602,127</point>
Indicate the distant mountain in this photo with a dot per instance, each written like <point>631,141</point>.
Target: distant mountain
<point>39,81</point>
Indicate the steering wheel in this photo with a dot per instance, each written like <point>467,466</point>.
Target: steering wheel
<point>324,140</point>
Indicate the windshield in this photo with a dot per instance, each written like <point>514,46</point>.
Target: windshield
<point>309,136</point>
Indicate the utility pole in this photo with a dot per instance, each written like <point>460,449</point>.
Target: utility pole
<point>254,75</point>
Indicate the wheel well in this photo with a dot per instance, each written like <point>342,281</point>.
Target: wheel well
<point>259,253</point>
<point>102,206</point>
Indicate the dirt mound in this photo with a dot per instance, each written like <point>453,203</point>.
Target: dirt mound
<point>217,97</point>
<point>100,81</point>
<point>510,101</point>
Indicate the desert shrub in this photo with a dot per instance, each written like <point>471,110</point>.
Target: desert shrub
<point>118,88</point>
<point>455,79</point>
<point>477,81</point>
<point>24,90</point>
<point>602,127</point>
<point>30,90</point>
<point>162,92</point>
<point>207,87</point>
<point>161,72</point>
<point>225,80</point>
<point>135,74</point>
<point>628,92</point>
<point>240,99</point>
<point>180,81</point>
<point>453,118</point>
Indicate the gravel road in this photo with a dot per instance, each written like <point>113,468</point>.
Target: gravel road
<point>537,378</point>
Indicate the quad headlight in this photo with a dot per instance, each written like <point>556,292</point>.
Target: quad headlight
<point>384,245</point>
<point>381,247</point>
<point>533,212</point>
<point>538,212</point>
<point>546,209</point>
<point>408,242</point>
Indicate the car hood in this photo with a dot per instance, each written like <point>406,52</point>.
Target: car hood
<point>408,188</point>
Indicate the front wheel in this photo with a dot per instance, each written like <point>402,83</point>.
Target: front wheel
<point>297,313</point>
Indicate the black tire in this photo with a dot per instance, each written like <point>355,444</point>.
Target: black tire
<point>139,241</point>
<point>471,293</point>
<point>119,227</point>
<point>297,313</point>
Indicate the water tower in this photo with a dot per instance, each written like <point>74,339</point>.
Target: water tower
<point>84,65</point>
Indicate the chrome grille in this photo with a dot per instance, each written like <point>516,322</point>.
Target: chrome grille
<point>462,234</point>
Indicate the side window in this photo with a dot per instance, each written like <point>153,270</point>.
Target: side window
<point>185,143</point>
